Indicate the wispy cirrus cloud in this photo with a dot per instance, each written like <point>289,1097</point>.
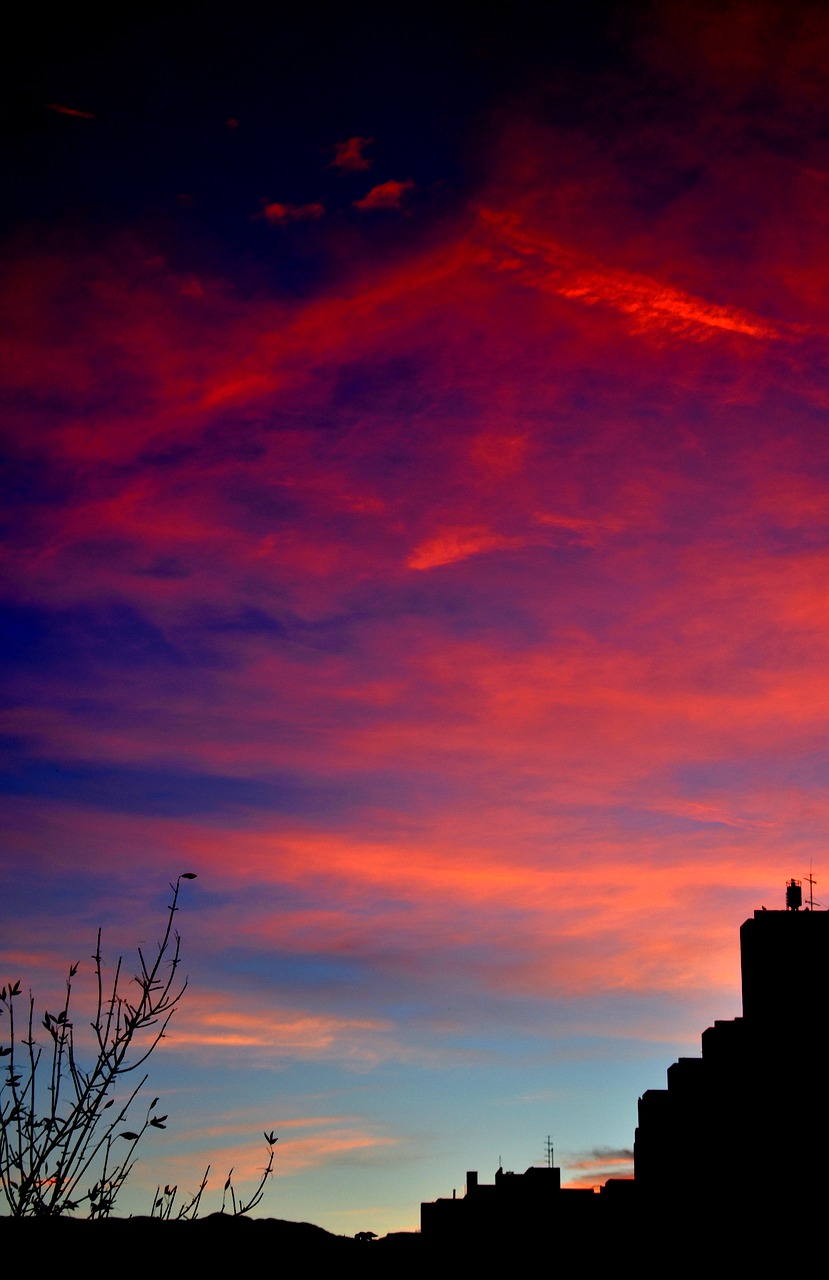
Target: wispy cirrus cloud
<point>286,1033</point>
<point>651,304</point>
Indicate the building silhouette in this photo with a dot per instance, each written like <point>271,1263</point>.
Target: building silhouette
<point>514,1205</point>
<point>730,1155</point>
<point>746,1123</point>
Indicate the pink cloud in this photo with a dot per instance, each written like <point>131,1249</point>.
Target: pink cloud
<point>316,1151</point>
<point>581,931</point>
<point>329,1139</point>
<point>595,1167</point>
<point>283,1033</point>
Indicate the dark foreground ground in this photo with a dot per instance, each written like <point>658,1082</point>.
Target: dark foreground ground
<point>677,1246</point>
<point>218,1244</point>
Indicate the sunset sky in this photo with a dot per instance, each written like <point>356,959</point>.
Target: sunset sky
<point>416,477</point>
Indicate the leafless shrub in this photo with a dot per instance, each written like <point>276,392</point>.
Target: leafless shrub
<point>63,1146</point>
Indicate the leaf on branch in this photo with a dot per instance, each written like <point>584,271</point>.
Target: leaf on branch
<point>188,875</point>
<point>158,1122</point>
<point>271,1138</point>
<point>133,1137</point>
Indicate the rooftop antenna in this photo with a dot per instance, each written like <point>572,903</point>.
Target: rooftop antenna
<point>811,882</point>
<point>548,1151</point>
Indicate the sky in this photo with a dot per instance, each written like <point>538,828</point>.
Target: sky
<point>415,520</point>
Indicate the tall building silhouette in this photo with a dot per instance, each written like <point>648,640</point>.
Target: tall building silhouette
<point>729,1157</point>
<point>746,1122</point>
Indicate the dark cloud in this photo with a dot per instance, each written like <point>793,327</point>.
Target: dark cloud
<point>350,155</point>
<point>278,214</point>
<point>170,792</point>
<point>69,111</point>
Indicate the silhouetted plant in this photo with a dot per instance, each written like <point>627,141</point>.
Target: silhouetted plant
<point>62,1145</point>
<point>164,1203</point>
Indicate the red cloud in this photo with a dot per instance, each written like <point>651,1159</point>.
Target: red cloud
<point>588,743</point>
<point>652,304</point>
<point>388,195</point>
<point>278,214</point>
<point>349,154</point>
<point>649,627</point>
<point>69,111</point>
<point>451,545</point>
